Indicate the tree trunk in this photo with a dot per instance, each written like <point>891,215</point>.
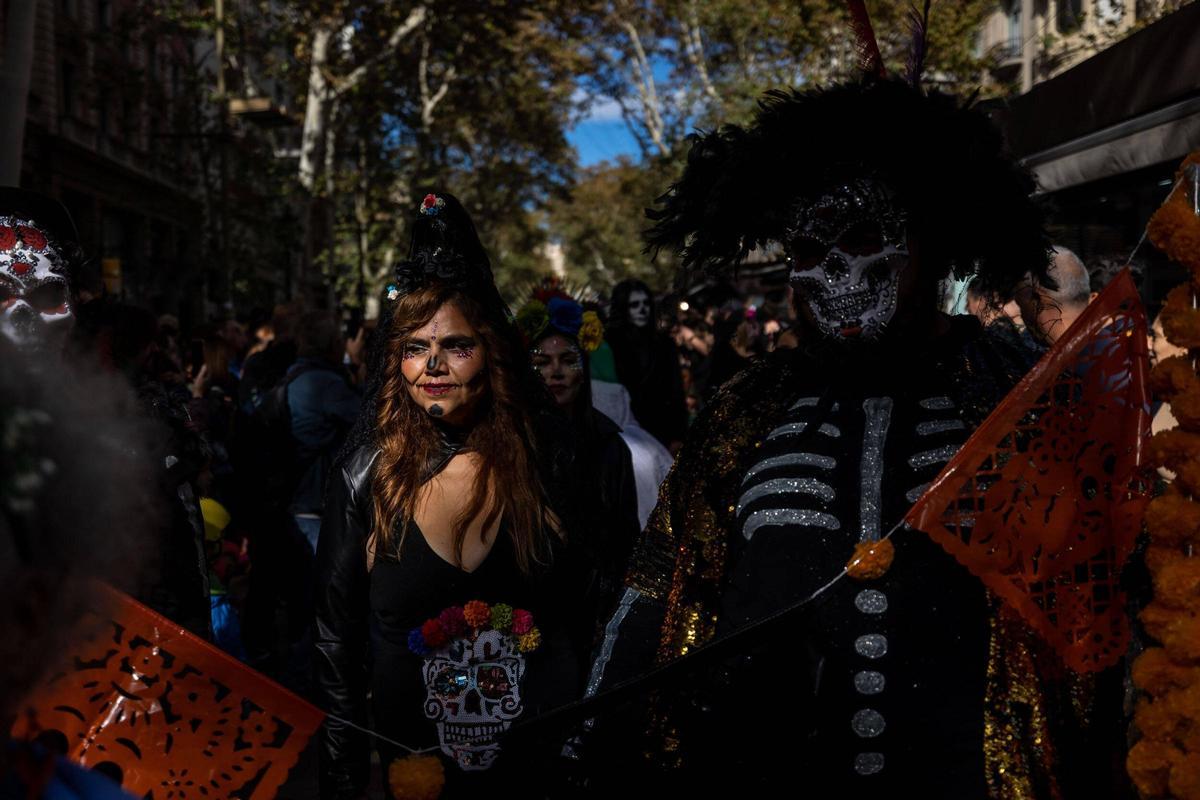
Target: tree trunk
<point>14,83</point>
<point>316,108</point>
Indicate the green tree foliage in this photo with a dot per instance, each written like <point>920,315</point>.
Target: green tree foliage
<point>673,66</point>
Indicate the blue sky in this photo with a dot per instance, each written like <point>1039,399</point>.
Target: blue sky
<point>602,135</point>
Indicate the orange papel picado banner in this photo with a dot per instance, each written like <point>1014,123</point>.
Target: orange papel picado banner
<point>1044,502</point>
<point>177,717</point>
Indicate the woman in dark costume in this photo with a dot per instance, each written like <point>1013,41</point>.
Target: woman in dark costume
<point>647,363</point>
<point>445,583</point>
<point>561,335</point>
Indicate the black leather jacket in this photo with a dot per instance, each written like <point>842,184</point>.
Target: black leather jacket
<point>340,635</point>
<point>595,500</point>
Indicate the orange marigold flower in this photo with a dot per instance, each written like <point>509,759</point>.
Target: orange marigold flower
<point>871,560</point>
<point>1182,640</point>
<point>1177,584</point>
<point>1173,375</point>
<point>416,777</point>
<point>1159,719</point>
<point>1159,620</point>
<point>477,613</point>
<point>1149,765</point>
<point>1172,519</point>
<point>1158,557</point>
<point>1175,229</point>
<point>1179,451</point>
<point>1181,322</point>
<point>1156,673</point>
<point>1184,783</point>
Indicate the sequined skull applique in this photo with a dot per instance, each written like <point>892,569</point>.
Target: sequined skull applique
<point>473,694</point>
<point>35,303</point>
<point>848,249</point>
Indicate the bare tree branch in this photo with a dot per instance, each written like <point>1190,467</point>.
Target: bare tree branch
<point>415,18</point>
<point>694,48</point>
<point>646,88</point>
<point>430,100</point>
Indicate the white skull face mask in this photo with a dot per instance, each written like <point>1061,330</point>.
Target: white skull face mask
<point>639,308</point>
<point>35,303</point>
<point>848,249</point>
<point>473,693</point>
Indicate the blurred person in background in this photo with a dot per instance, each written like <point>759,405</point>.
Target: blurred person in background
<point>168,338</point>
<point>266,368</point>
<point>233,333</point>
<point>322,405</point>
<point>651,461</point>
<point>1160,350</point>
<point>647,363</point>
<point>1048,313</point>
<point>997,316</point>
<point>694,339</point>
<point>260,330</point>
<point>213,408</point>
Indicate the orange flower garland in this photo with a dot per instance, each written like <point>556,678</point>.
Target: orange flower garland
<point>1165,762</point>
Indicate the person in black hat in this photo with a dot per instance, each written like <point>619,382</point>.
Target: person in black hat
<point>39,254</point>
<point>448,585</point>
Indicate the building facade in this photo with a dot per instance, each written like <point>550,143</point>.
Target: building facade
<point>1031,41</point>
<point>128,126</point>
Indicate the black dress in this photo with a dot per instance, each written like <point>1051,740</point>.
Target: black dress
<point>456,698</point>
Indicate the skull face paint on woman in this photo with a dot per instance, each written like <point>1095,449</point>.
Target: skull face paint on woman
<point>848,251</point>
<point>35,302</point>
<point>639,308</point>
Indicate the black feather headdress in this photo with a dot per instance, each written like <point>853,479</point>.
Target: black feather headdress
<point>968,203</point>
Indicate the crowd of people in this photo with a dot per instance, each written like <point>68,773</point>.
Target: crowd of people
<point>459,517</point>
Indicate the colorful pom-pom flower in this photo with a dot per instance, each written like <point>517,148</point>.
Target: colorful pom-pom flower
<point>529,641</point>
<point>393,292</point>
<point>532,320</point>
<point>416,642</point>
<point>432,205</point>
<point>502,617</point>
<point>453,622</point>
<point>434,636</point>
<point>591,332</point>
<point>522,622</point>
<point>477,614</point>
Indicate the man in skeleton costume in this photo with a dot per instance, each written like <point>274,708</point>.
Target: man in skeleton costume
<point>39,251</point>
<point>876,192</point>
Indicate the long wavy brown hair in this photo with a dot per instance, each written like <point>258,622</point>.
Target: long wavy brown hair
<point>508,481</point>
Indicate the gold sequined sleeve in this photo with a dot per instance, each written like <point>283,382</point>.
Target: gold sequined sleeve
<point>653,561</point>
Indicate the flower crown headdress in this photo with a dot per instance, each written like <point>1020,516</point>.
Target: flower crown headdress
<point>552,307</point>
<point>472,619</point>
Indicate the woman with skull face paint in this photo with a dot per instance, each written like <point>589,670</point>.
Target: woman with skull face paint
<point>447,585</point>
<point>905,681</point>
<point>561,335</point>
<point>647,363</point>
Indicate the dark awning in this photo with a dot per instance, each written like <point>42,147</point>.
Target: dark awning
<point>1134,104</point>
